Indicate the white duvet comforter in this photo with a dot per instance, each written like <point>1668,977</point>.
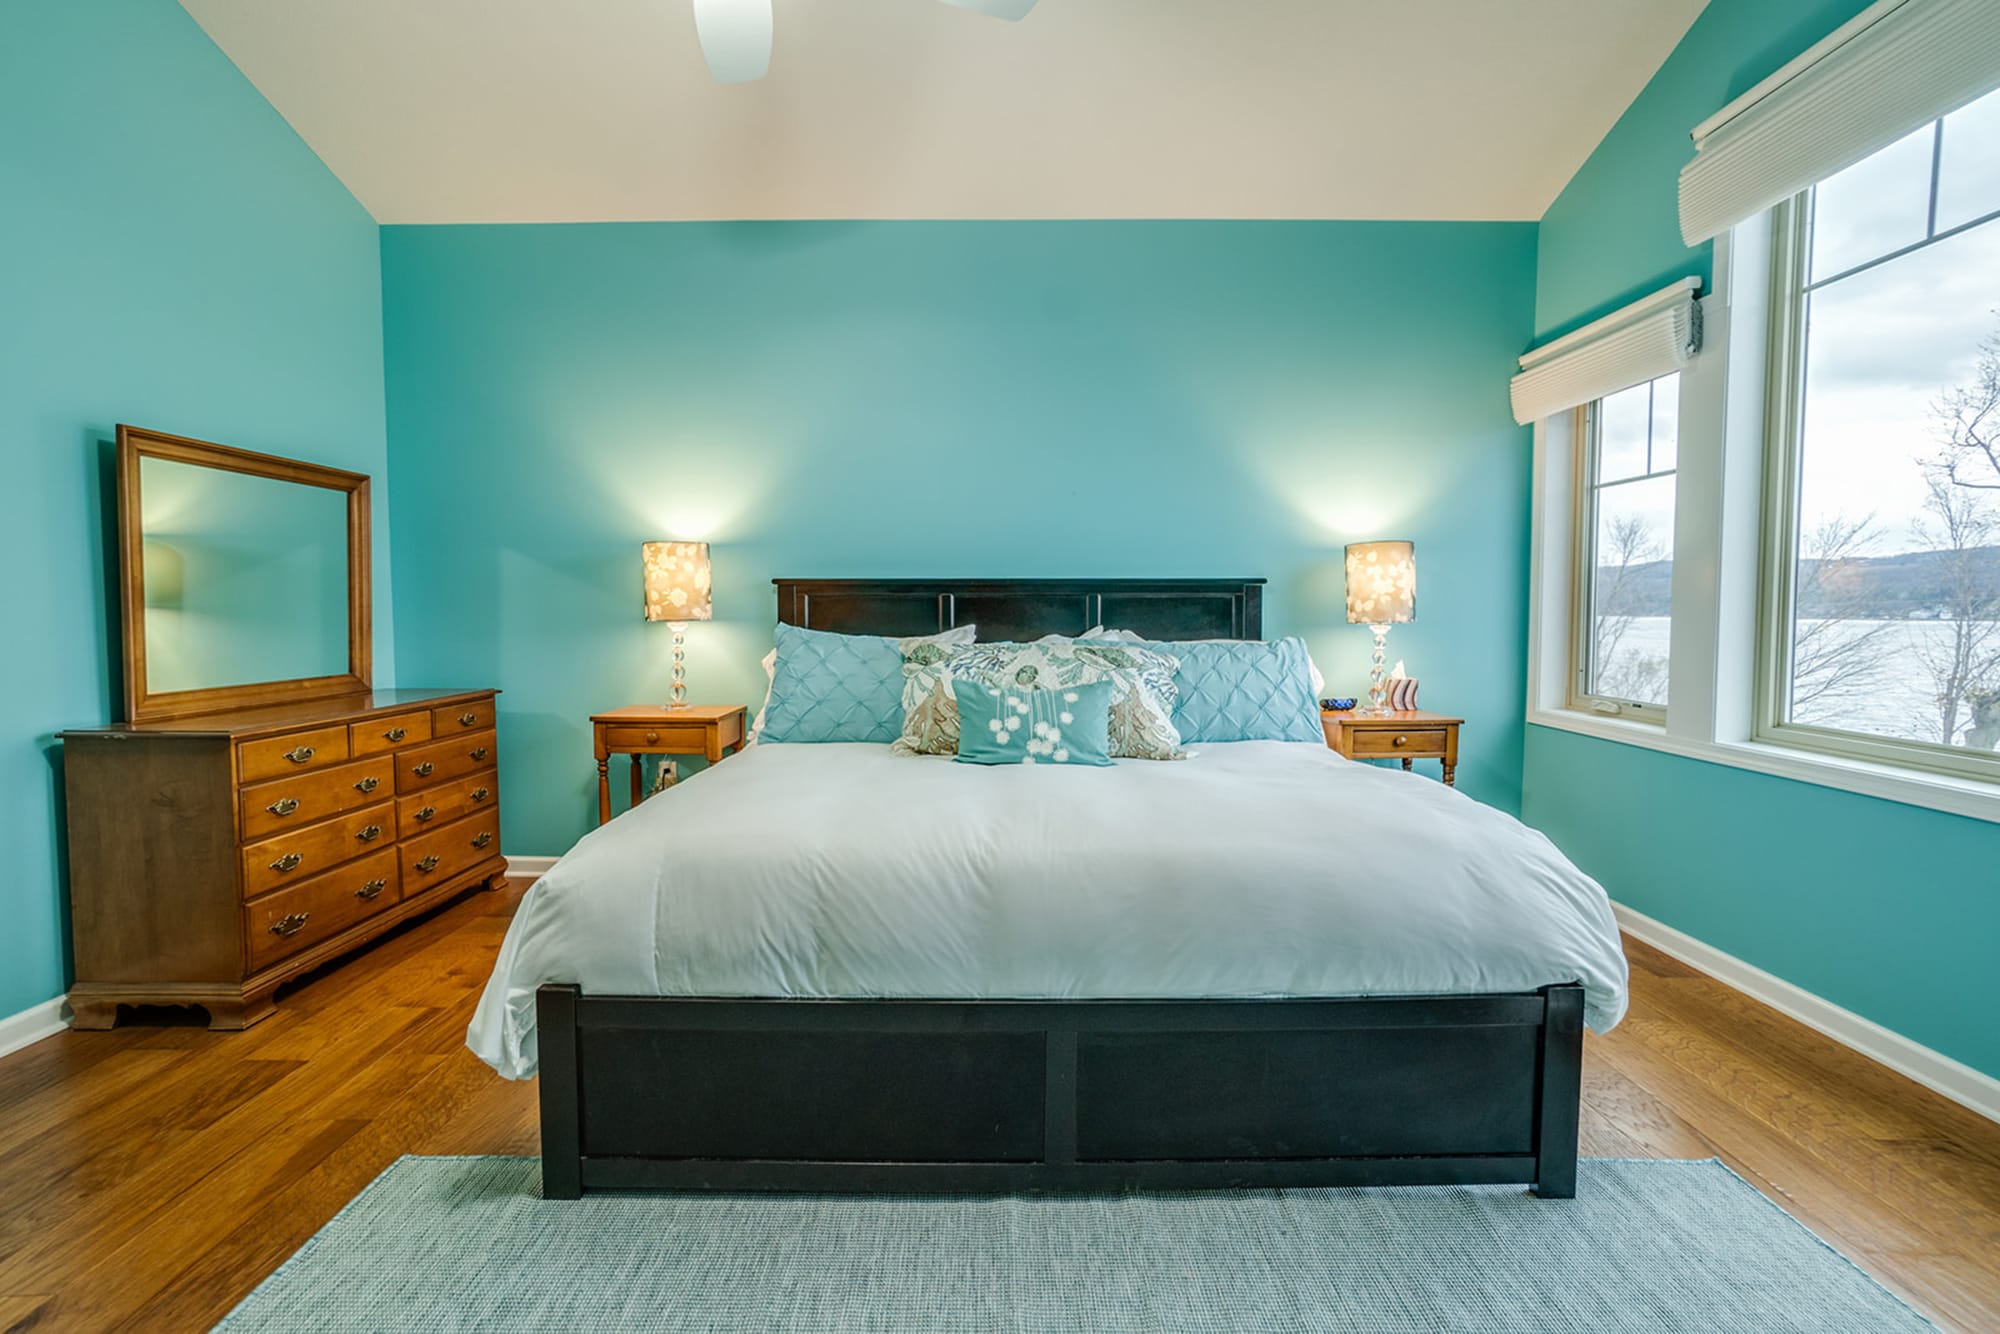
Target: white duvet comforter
<point>1259,868</point>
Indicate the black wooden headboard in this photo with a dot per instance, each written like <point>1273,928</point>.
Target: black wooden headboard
<point>1022,609</point>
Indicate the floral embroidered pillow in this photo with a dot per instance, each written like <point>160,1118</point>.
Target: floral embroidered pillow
<point>1009,725</point>
<point>1142,690</point>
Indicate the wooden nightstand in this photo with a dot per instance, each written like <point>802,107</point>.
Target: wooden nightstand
<point>652,729</point>
<point>1406,734</point>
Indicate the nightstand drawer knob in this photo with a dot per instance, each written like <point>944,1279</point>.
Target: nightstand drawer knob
<point>1402,740</point>
<point>652,737</point>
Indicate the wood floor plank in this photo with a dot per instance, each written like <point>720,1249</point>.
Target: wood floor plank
<point>151,1176</point>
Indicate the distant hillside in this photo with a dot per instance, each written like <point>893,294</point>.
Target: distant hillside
<point>1865,587</point>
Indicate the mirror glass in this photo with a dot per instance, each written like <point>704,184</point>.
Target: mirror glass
<point>245,577</point>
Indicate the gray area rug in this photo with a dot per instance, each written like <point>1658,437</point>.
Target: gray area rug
<point>443,1244</point>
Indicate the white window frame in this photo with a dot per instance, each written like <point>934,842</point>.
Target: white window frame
<point>1719,548</point>
<point>1584,565</point>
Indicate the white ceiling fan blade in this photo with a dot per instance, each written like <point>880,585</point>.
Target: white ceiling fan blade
<point>735,38</point>
<point>1010,10</point>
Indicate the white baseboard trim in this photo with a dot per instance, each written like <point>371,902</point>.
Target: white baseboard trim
<point>535,867</point>
<point>1933,1069</point>
<point>31,1026</point>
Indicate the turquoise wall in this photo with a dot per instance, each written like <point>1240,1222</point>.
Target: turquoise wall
<point>1614,233</point>
<point>885,399</point>
<point>173,256</point>
<point>1882,908</point>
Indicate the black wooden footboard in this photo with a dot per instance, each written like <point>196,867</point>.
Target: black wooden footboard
<point>1012,1096</point>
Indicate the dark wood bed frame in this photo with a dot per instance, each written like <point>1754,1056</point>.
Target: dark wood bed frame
<point>667,1093</point>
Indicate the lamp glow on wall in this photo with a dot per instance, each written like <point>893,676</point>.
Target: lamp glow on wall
<point>1381,592</point>
<point>677,591</point>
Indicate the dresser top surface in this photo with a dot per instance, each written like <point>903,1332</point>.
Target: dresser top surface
<point>287,717</point>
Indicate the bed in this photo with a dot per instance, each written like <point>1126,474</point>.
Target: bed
<point>831,968</point>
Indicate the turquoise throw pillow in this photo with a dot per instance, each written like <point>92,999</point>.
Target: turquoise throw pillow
<point>829,687</point>
<point>1245,690</point>
<point>1006,724</point>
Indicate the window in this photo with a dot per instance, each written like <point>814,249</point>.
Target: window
<point>1626,443</point>
<point>1881,583</point>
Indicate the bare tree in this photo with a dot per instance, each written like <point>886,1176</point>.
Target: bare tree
<point>1960,526</point>
<point>1837,649</point>
<point>1629,545</point>
<point>1968,421</point>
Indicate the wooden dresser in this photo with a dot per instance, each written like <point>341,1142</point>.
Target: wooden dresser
<point>213,858</point>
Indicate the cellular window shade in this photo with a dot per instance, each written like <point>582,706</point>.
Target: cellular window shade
<point>1645,340</point>
<point>1896,66</point>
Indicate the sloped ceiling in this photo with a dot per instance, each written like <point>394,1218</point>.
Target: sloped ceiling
<point>601,110</point>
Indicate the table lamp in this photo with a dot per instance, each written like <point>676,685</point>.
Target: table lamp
<point>1381,591</point>
<point>677,592</point>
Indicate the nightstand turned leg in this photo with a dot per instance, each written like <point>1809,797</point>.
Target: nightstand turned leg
<point>604,791</point>
<point>1406,764</point>
<point>638,779</point>
<point>1450,775</point>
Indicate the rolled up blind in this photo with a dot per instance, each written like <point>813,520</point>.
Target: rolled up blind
<point>1647,339</point>
<point>1897,65</point>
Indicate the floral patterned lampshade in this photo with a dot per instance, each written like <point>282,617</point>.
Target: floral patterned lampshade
<point>1381,583</point>
<point>677,581</point>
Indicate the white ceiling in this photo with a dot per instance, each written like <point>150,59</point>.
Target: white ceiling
<point>602,110</point>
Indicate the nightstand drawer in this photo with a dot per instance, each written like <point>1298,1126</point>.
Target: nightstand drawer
<point>1424,741</point>
<point>667,738</point>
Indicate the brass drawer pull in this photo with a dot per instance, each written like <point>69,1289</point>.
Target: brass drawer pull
<point>481,793</point>
<point>467,719</point>
<point>371,889</point>
<point>289,862</point>
<point>1400,740</point>
<point>370,834</point>
<point>426,813</point>
<point>424,770</point>
<point>485,837</point>
<point>284,806</point>
<point>428,864</point>
<point>395,734</point>
<point>289,926</point>
<point>478,754</point>
<point>299,754</point>
<point>368,785</point>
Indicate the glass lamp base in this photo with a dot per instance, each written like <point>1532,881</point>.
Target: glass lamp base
<point>679,699</point>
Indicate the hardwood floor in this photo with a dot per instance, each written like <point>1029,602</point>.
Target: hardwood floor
<point>152,1175</point>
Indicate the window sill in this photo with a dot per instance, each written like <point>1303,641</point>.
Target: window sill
<point>1937,792</point>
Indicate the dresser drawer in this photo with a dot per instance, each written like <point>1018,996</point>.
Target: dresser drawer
<point>1425,741</point>
<point>380,734</point>
<point>304,914</point>
<point>454,719</point>
<point>295,752</point>
<point>433,858</point>
<point>427,766</point>
<point>434,806</point>
<point>293,803</point>
<point>288,858</point>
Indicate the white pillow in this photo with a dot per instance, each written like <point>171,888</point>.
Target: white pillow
<point>955,637</point>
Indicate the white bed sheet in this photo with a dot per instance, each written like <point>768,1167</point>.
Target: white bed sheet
<point>1253,869</point>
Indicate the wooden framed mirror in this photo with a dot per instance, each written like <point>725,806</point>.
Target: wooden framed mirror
<point>243,578</point>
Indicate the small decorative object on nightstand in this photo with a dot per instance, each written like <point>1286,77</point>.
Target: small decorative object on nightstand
<point>653,729</point>
<point>1404,734</point>
<point>1381,591</point>
<point>677,591</point>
